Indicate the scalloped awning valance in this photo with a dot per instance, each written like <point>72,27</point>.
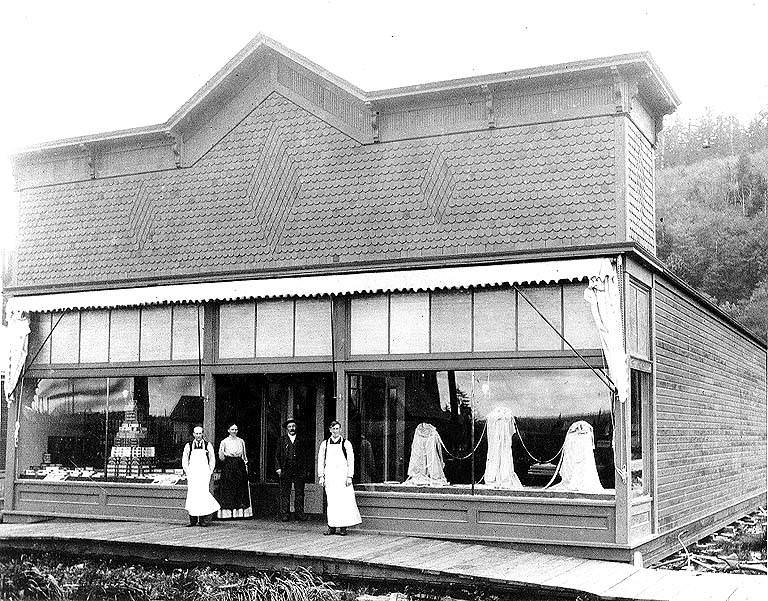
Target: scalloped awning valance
<point>538,272</point>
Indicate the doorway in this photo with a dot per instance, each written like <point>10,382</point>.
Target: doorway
<point>260,403</point>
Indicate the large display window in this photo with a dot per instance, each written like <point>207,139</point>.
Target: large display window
<point>503,429</point>
<point>129,429</point>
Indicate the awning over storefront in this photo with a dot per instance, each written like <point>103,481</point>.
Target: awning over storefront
<point>306,286</point>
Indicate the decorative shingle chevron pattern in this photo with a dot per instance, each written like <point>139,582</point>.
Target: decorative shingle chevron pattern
<point>438,185</point>
<point>285,190</point>
<point>274,187</point>
<point>140,218</point>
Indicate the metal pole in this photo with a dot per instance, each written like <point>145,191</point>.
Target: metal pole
<point>199,356</point>
<point>472,434</point>
<point>106,433</point>
<point>333,357</point>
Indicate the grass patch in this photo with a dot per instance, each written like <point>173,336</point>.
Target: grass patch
<point>47,577</point>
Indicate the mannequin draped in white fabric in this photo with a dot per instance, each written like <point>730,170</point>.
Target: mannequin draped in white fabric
<point>426,465</point>
<point>578,470</point>
<point>499,465</point>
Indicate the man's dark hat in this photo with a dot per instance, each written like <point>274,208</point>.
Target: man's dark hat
<point>290,420</point>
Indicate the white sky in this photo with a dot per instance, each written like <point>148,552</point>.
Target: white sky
<point>76,67</point>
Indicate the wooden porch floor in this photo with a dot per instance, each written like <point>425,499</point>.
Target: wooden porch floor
<point>269,545</point>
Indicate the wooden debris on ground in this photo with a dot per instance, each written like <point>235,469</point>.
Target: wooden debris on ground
<point>738,548</point>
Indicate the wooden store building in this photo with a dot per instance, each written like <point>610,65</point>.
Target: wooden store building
<point>463,273</point>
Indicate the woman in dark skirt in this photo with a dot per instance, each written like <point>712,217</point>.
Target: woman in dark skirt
<point>234,493</point>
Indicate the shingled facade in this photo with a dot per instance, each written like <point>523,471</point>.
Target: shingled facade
<point>287,244</point>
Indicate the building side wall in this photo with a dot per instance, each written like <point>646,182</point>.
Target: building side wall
<point>640,182</point>
<point>710,411</point>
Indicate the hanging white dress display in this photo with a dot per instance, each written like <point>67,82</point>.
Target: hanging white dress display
<point>425,467</point>
<point>499,465</point>
<point>578,471</point>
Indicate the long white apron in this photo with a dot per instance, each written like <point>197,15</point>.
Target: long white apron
<point>200,501</point>
<point>342,507</point>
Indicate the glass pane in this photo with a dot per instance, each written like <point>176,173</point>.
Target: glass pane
<point>130,429</point>
<point>403,422</point>
<point>237,329</point>
<point>150,420</point>
<point>124,335</point>
<point>494,322</point>
<point>174,409</point>
<point>274,328</point>
<point>40,327</point>
<point>62,432</point>
<point>94,336</point>
<point>643,324</point>
<point>155,333</point>
<point>65,340</point>
<point>409,323</point>
<point>533,332</point>
<point>369,324</point>
<point>639,388</point>
<point>185,335</point>
<point>313,327</point>
<point>579,328</point>
<point>451,315</point>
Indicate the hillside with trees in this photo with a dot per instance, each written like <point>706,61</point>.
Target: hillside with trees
<point>712,212</point>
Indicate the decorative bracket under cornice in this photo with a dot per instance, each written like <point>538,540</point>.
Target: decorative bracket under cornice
<point>176,140</point>
<point>619,96</point>
<point>90,159</point>
<point>489,106</point>
<point>374,116</point>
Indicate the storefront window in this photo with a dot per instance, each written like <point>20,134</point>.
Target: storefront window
<point>507,429</point>
<point>113,429</point>
<point>640,385</point>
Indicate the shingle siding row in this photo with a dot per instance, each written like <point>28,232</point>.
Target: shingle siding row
<point>284,188</point>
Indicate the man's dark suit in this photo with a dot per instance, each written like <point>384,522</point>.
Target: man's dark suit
<point>292,459</point>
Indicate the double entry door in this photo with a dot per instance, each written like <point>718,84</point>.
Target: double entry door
<point>260,403</point>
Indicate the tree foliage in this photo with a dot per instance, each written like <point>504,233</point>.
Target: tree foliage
<point>712,210</point>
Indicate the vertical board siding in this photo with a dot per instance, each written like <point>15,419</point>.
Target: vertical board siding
<point>641,212</point>
<point>422,121</point>
<point>516,106</point>
<point>710,411</point>
<point>324,95</point>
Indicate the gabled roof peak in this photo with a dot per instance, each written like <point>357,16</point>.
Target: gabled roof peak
<point>262,44</point>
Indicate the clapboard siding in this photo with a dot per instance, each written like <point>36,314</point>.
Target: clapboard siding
<point>710,409</point>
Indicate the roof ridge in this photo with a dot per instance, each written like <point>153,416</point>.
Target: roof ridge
<point>261,41</point>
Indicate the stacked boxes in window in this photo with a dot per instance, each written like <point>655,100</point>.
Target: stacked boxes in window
<point>128,458</point>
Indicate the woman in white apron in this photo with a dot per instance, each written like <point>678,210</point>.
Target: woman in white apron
<point>198,461</point>
<point>335,468</point>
